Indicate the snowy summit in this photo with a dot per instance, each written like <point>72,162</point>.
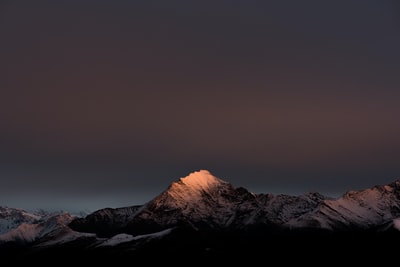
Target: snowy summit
<point>191,189</point>
<point>200,180</point>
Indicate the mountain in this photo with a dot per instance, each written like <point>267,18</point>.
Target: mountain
<point>203,201</point>
<point>11,218</point>
<point>39,229</point>
<point>203,215</point>
<point>106,222</point>
<point>362,210</point>
<point>200,201</point>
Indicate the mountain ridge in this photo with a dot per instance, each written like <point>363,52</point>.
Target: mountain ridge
<point>203,200</point>
<point>208,213</point>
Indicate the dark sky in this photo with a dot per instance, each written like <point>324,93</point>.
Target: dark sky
<point>105,103</point>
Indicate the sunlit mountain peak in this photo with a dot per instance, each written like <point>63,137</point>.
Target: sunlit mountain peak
<point>201,180</point>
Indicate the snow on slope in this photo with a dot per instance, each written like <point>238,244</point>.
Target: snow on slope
<point>192,189</point>
<point>396,223</point>
<point>24,233</point>
<point>362,209</point>
<point>125,238</point>
<point>48,230</point>
<point>29,231</point>
<point>11,218</point>
<point>281,208</point>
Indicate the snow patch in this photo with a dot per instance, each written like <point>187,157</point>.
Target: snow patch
<point>200,180</point>
<point>124,238</point>
<point>118,239</point>
<point>24,232</point>
<point>31,215</point>
<point>190,189</point>
<point>388,188</point>
<point>396,223</point>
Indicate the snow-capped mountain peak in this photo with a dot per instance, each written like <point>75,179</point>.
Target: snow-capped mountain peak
<point>201,180</point>
<point>199,198</point>
<point>193,187</point>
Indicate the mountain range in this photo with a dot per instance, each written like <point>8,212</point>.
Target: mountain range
<point>205,217</point>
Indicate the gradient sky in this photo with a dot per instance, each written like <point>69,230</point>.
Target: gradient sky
<point>105,103</point>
